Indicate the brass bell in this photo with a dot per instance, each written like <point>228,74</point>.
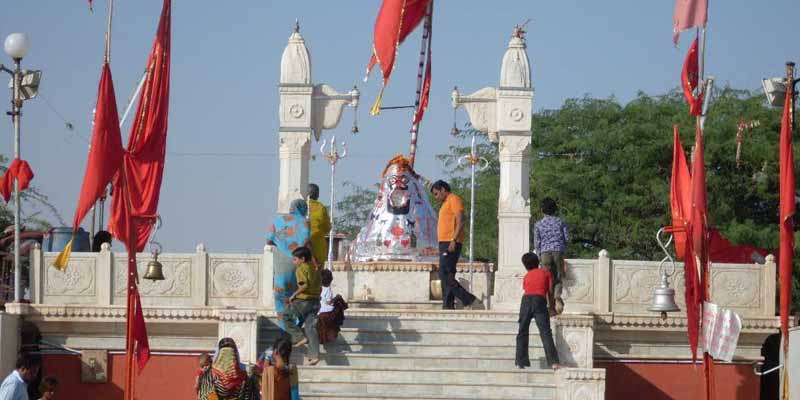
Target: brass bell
<point>155,271</point>
<point>663,299</point>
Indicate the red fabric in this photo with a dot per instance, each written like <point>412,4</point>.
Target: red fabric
<point>537,282</point>
<point>139,331</point>
<point>19,170</point>
<point>144,161</point>
<point>689,78</point>
<point>680,193</point>
<point>105,153</point>
<point>688,14</point>
<point>695,260</point>
<point>787,210</point>
<point>721,250</point>
<point>396,20</point>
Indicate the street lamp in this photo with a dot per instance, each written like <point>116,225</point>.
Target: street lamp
<point>24,86</point>
<point>775,88</point>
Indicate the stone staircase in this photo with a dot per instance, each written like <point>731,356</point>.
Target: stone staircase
<point>422,354</point>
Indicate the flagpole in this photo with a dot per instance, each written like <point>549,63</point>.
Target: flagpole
<point>425,48</point>
<point>107,54</point>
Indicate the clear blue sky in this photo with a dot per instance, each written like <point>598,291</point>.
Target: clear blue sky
<point>225,70</point>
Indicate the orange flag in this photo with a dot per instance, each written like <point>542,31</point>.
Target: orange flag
<point>680,193</point>
<point>787,210</point>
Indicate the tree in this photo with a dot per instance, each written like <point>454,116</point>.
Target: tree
<point>354,208</point>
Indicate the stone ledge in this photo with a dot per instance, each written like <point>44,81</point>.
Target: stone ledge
<point>581,374</point>
<point>43,311</point>
<point>408,266</point>
<point>638,321</point>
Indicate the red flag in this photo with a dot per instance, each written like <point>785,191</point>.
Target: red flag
<point>688,14</point>
<point>696,259</point>
<point>396,20</point>
<point>680,193</point>
<point>787,210</point>
<point>139,332</point>
<point>689,78</point>
<point>105,156</point>
<point>144,162</point>
<point>19,170</point>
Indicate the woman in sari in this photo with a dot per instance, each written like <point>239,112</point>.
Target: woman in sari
<point>288,232</point>
<point>227,378</point>
<point>280,379</point>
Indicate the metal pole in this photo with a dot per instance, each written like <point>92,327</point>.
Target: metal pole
<point>473,160</point>
<point>16,107</point>
<point>333,156</point>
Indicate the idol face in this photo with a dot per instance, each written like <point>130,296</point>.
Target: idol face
<point>399,200</point>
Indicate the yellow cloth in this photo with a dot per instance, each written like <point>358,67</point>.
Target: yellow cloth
<point>320,224</point>
<point>452,206</point>
<point>311,277</point>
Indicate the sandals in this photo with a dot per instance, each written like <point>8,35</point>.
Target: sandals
<point>313,361</point>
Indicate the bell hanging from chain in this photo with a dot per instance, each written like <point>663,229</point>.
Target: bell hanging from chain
<point>663,299</point>
<point>155,271</point>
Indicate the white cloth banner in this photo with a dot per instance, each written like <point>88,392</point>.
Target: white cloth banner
<point>721,329</point>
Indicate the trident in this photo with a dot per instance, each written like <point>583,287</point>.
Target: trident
<point>474,162</point>
<point>333,156</point>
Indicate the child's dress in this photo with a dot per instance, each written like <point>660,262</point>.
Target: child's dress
<point>331,315</point>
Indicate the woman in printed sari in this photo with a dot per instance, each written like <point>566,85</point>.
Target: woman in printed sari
<point>227,378</point>
<point>288,232</point>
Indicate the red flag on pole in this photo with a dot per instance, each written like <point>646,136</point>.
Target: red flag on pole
<point>689,79</point>
<point>787,210</point>
<point>680,193</point>
<point>147,143</point>
<point>20,171</point>
<point>396,20</point>
<point>105,156</point>
<point>688,14</point>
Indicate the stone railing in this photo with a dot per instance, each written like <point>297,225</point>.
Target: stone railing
<point>605,286</point>
<point>199,279</point>
<point>191,280</point>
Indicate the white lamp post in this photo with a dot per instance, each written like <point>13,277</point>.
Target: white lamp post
<point>24,85</point>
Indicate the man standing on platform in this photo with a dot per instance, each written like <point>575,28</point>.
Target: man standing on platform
<point>550,237</point>
<point>320,224</point>
<point>450,231</point>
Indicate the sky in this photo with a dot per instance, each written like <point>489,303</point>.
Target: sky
<point>221,176</point>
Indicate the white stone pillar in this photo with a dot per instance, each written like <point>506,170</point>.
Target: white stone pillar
<point>305,109</point>
<point>505,114</point>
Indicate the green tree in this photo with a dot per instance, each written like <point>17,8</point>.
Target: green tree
<point>354,208</point>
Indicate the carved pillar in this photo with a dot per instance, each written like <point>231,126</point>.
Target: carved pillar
<point>305,109</point>
<point>504,113</point>
<point>242,327</point>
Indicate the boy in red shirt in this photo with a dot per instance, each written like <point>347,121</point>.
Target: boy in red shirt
<point>536,304</point>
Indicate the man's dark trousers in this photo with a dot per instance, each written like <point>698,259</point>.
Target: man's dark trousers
<point>447,274</point>
<point>534,307</point>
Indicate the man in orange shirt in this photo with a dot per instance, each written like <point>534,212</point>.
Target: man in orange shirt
<point>450,231</point>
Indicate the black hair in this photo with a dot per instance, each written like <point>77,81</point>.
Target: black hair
<point>313,191</point>
<point>282,347</point>
<point>327,277</point>
<point>548,206</point>
<point>28,361</point>
<point>227,342</point>
<point>439,185</point>
<point>100,238</point>
<point>302,253</point>
<point>530,261</point>
<point>49,384</point>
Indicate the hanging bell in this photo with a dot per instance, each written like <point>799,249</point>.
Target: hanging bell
<point>663,299</point>
<point>155,271</point>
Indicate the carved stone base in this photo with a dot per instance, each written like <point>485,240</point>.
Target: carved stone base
<point>9,342</point>
<point>507,289</point>
<point>581,384</point>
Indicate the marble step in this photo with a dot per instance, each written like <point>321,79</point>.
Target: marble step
<point>417,348</point>
<point>392,388</point>
<point>407,361</point>
<point>428,337</point>
<point>345,396</point>
<point>422,375</point>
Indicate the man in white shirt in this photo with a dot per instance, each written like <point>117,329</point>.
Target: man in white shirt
<point>15,386</point>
